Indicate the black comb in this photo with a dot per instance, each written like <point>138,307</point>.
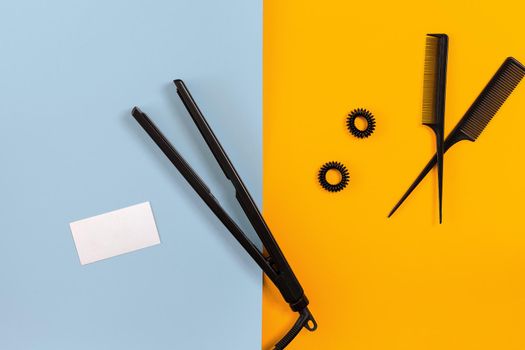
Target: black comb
<point>478,115</point>
<point>434,91</point>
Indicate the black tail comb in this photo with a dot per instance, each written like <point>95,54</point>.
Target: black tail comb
<point>478,115</point>
<point>434,92</point>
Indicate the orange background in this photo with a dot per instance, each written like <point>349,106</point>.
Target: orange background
<point>405,282</point>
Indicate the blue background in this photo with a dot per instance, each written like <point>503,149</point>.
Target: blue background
<point>70,72</point>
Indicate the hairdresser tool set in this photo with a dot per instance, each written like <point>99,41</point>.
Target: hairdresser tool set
<point>271,259</point>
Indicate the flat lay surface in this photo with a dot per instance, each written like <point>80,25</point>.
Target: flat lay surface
<point>307,96</point>
<point>69,149</point>
<point>405,282</point>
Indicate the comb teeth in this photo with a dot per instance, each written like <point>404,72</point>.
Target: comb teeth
<point>492,97</point>
<point>430,80</point>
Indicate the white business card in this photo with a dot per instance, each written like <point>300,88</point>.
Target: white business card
<point>114,233</point>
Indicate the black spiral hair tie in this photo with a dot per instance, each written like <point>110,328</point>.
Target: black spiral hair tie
<point>345,177</point>
<point>361,113</point>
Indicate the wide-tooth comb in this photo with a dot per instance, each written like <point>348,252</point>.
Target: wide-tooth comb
<point>478,115</point>
<point>434,91</point>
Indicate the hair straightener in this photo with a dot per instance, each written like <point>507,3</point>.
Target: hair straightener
<point>478,115</point>
<point>272,262</point>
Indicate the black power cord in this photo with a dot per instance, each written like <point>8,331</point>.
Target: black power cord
<point>305,320</point>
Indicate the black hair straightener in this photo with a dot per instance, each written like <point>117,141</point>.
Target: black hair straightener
<point>273,262</point>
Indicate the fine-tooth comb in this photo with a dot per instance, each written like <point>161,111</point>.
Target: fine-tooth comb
<point>272,261</point>
<point>434,91</point>
<point>478,115</point>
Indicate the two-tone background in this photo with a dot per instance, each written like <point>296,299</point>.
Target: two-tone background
<point>275,80</point>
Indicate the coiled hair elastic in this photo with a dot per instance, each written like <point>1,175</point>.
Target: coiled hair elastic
<point>339,167</point>
<point>366,115</point>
